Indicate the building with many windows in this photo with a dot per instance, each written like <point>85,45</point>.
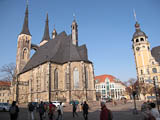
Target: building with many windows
<point>4,91</point>
<point>109,86</point>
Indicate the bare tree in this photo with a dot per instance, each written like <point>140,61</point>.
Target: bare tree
<point>8,71</point>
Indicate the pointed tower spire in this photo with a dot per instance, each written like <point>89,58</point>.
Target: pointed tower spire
<point>137,27</point>
<point>25,29</point>
<point>46,30</point>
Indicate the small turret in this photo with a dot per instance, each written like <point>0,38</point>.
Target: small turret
<point>74,27</point>
<point>54,33</point>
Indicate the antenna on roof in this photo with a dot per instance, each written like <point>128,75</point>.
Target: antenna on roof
<point>134,15</point>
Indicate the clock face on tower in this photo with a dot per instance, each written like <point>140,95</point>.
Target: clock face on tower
<point>138,48</point>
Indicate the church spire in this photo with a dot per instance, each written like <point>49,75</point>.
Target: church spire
<point>46,30</point>
<point>25,29</point>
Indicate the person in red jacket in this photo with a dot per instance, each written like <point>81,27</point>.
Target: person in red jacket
<point>105,114</point>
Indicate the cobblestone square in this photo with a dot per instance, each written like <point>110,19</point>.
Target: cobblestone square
<point>120,112</point>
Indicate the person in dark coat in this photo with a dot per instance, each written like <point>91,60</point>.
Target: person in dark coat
<point>14,110</point>
<point>105,114</point>
<point>85,110</point>
<point>74,109</point>
<point>41,110</point>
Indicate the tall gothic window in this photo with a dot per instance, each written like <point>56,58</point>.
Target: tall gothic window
<point>67,80</point>
<point>76,78</point>
<point>86,77</point>
<point>25,54</point>
<point>56,79</point>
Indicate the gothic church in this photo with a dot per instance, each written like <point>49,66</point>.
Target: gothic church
<point>58,70</point>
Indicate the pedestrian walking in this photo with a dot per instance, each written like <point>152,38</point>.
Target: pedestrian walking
<point>85,110</point>
<point>81,106</point>
<point>74,109</point>
<point>51,111</point>
<point>60,111</point>
<point>13,111</point>
<point>154,111</point>
<point>105,113</point>
<point>31,111</point>
<point>146,113</point>
<point>41,110</point>
<point>45,109</point>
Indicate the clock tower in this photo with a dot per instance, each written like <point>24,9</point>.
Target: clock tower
<point>142,54</point>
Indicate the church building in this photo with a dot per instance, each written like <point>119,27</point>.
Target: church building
<point>58,70</point>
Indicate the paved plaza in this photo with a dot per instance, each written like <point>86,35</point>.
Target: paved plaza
<point>120,112</point>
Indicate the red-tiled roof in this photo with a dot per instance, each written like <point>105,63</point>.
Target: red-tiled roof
<point>5,83</point>
<point>102,78</point>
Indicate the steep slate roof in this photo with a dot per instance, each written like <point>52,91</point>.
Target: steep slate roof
<point>58,50</point>
<point>156,53</point>
<point>25,29</point>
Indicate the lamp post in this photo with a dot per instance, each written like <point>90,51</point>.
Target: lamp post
<point>135,108</point>
<point>155,89</point>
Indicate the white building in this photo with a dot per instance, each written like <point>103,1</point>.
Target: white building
<point>109,86</point>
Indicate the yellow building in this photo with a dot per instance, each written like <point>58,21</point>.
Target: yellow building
<point>147,67</point>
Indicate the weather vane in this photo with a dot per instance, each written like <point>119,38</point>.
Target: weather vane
<point>74,16</point>
<point>27,2</point>
<point>134,15</point>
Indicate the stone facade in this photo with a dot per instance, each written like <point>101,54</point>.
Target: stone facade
<point>38,84</point>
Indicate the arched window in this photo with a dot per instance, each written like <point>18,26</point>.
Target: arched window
<point>141,72</point>
<point>25,53</point>
<point>56,79</point>
<point>86,77</point>
<point>67,80</point>
<point>76,78</point>
<point>142,39</point>
<point>137,40</point>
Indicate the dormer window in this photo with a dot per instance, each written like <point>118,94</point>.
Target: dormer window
<point>142,39</point>
<point>137,40</point>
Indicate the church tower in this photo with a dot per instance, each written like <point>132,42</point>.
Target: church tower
<point>142,54</point>
<point>74,27</point>
<point>23,45</point>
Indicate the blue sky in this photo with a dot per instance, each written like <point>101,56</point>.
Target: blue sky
<point>105,26</point>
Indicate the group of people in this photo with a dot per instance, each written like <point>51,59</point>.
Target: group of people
<point>84,107</point>
<point>50,108</point>
<point>44,108</point>
<point>149,111</point>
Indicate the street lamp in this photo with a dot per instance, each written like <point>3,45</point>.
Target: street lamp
<point>135,108</point>
<point>155,89</point>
